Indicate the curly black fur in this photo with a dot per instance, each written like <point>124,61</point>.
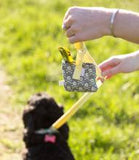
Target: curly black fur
<point>42,111</point>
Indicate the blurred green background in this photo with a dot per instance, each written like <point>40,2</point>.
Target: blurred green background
<point>107,126</point>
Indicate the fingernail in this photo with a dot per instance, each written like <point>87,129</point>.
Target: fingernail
<point>63,26</point>
<point>103,73</point>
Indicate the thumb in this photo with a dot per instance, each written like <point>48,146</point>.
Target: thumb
<point>110,72</point>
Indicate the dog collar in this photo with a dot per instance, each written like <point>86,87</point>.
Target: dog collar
<point>49,131</point>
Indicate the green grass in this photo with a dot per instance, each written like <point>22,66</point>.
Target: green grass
<point>106,127</point>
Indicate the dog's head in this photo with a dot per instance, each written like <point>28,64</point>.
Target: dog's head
<point>41,112</point>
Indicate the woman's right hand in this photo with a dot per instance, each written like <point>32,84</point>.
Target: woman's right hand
<point>86,23</point>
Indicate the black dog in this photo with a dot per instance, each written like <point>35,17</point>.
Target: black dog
<point>42,111</point>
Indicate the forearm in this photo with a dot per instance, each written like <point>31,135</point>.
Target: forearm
<point>135,56</point>
<point>126,25</point>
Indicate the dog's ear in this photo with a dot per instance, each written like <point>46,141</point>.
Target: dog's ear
<point>61,108</point>
<point>57,110</point>
<point>52,101</point>
<point>27,120</point>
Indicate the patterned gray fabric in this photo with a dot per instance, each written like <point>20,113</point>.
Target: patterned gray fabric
<point>87,82</point>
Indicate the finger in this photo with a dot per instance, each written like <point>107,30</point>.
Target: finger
<point>64,27</point>
<point>64,19</point>
<point>108,77</point>
<point>72,39</point>
<point>70,32</point>
<point>66,14</point>
<point>111,72</point>
<point>76,38</point>
<point>67,23</point>
<point>109,63</point>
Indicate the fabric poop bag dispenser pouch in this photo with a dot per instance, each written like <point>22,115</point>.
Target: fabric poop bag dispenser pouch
<point>82,75</point>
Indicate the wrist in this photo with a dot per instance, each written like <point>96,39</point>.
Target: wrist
<point>106,27</point>
<point>136,59</point>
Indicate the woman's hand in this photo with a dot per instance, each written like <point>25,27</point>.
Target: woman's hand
<point>120,64</point>
<point>86,23</point>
